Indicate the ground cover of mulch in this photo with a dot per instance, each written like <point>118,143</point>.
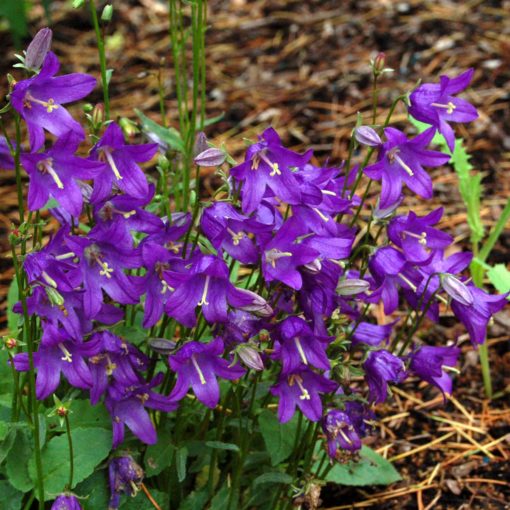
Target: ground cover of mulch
<point>303,68</point>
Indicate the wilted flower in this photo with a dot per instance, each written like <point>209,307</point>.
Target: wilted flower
<point>66,501</point>
<point>381,368</point>
<point>125,477</point>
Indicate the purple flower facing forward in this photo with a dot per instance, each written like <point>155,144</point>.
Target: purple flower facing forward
<point>268,167</point>
<point>301,388</point>
<point>402,161</point>
<point>125,477</point>
<point>66,501</point>
<point>58,354</point>
<point>340,432</point>
<point>381,368</point>
<point>6,159</point>
<point>282,255</point>
<point>121,165</point>
<point>39,101</point>
<point>197,366</point>
<point>126,405</point>
<point>54,173</point>
<point>416,236</point>
<point>431,364</point>
<point>435,104</point>
<point>297,345</point>
<point>476,316</point>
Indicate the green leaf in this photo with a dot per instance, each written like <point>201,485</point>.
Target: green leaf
<point>14,11</point>
<point>169,135</point>
<point>273,477</point>
<point>218,445</point>
<point>91,446</point>
<point>220,500</point>
<point>278,437</point>
<point>12,299</point>
<point>10,497</point>
<point>6,444</point>
<point>211,120</point>
<point>372,469</point>
<point>83,415</point>
<point>499,276</point>
<point>180,458</point>
<point>94,490</point>
<point>17,461</point>
<point>158,456</point>
<point>141,502</point>
<point>196,500</point>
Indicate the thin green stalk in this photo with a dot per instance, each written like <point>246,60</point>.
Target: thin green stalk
<point>102,58</point>
<point>71,451</point>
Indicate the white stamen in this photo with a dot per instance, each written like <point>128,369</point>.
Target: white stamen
<point>322,215</point>
<point>106,269</point>
<point>49,280</point>
<point>64,256</point>
<point>327,192</point>
<point>111,162</point>
<point>44,166</point>
<point>409,282</point>
<point>300,350</point>
<point>398,159</point>
<point>273,255</point>
<point>236,237</point>
<point>199,371</point>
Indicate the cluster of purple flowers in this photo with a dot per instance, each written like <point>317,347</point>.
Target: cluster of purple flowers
<point>279,227</point>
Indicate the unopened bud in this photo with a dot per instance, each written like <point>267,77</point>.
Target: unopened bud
<point>379,62</point>
<point>106,15</point>
<point>129,128</point>
<point>352,287</point>
<point>11,343</point>
<point>254,304</point>
<point>456,289</point>
<point>161,345</point>
<point>200,144</point>
<point>210,157</point>
<point>250,356</point>
<point>62,411</point>
<point>38,48</point>
<point>98,115</point>
<point>367,136</point>
<point>313,267</point>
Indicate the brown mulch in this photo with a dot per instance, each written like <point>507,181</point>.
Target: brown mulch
<point>303,68</point>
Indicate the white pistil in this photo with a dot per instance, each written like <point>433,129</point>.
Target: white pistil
<point>322,215</point>
<point>166,287</point>
<point>409,282</point>
<point>45,167</point>
<point>398,159</point>
<point>198,369</point>
<point>236,237</point>
<point>275,169</point>
<point>304,392</point>
<point>49,105</point>
<point>449,107</point>
<point>203,300</point>
<point>67,355</point>
<point>111,162</point>
<point>300,350</point>
<point>49,280</point>
<point>273,255</point>
<point>174,247</point>
<point>106,269</point>
<point>344,436</point>
<point>128,214</point>
<point>447,368</point>
<point>134,488</point>
<point>64,256</point>
<point>422,238</point>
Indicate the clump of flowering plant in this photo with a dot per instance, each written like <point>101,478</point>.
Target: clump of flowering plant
<point>194,327</point>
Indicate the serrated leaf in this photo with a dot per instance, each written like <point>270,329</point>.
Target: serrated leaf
<point>371,469</point>
<point>169,136</point>
<point>273,477</point>
<point>278,437</point>
<point>218,445</point>
<point>159,456</point>
<point>499,276</point>
<point>17,461</point>
<point>91,446</point>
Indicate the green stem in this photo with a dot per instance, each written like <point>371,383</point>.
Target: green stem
<point>102,58</point>
<point>71,452</point>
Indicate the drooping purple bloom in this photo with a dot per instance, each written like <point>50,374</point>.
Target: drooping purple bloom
<point>402,161</point>
<point>125,477</point>
<point>340,432</point>
<point>120,165</point>
<point>54,173</point>
<point>58,354</point>
<point>416,236</point>
<point>301,388</point>
<point>435,104</point>
<point>381,368</point>
<point>66,501</point>
<point>39,101</point>
<point>268,166</point>
<point>371,334</point>
<point>197,366</point>
<point>431,364</point>
<point>6,159</point>
<point>298,345</point>
<point>476,316</point>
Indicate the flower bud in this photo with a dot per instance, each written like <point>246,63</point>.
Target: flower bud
<point>107,13</point>
<point>38,48</point>
<point>10,343</point>
<point>161,345</point>
<point>129,128</point>
<point>379,62</point>
<point>98,115</point>
<point>250,357</point>
<point>367,136</point>
<point>456,289</point>
<point>66,501</point>
<point>352,287</point>
<point>254,304</point>
<point>210,157</point>
<point>200,143</point>
<point>313,267</point>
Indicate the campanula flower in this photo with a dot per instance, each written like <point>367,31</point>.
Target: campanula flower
<point>402,161</point>
<point>340,432</point>
<point>39,101</point>
<point>66,501</point>
<point>381,368</point>
<point>435,104</point>
<point>125,477</point>
<point>198,365</point>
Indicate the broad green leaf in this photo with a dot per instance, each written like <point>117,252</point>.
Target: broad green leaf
<point>499,276</point>
<point>12,299</point>
<point>91,446</point>
<point>158,456</point>
<point>278,437</point>
<point>18,459</point>
<point>220,500</point>
<point>371,469</point>
<point>94,491</point>
<point>141,502</point>
<point>7,443</point>
<point>196,500</point>
<point>10,498</point>
<point>273,477</point>
<point>169,135</point>
<point>83,415</point>
<point>218,445</point>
